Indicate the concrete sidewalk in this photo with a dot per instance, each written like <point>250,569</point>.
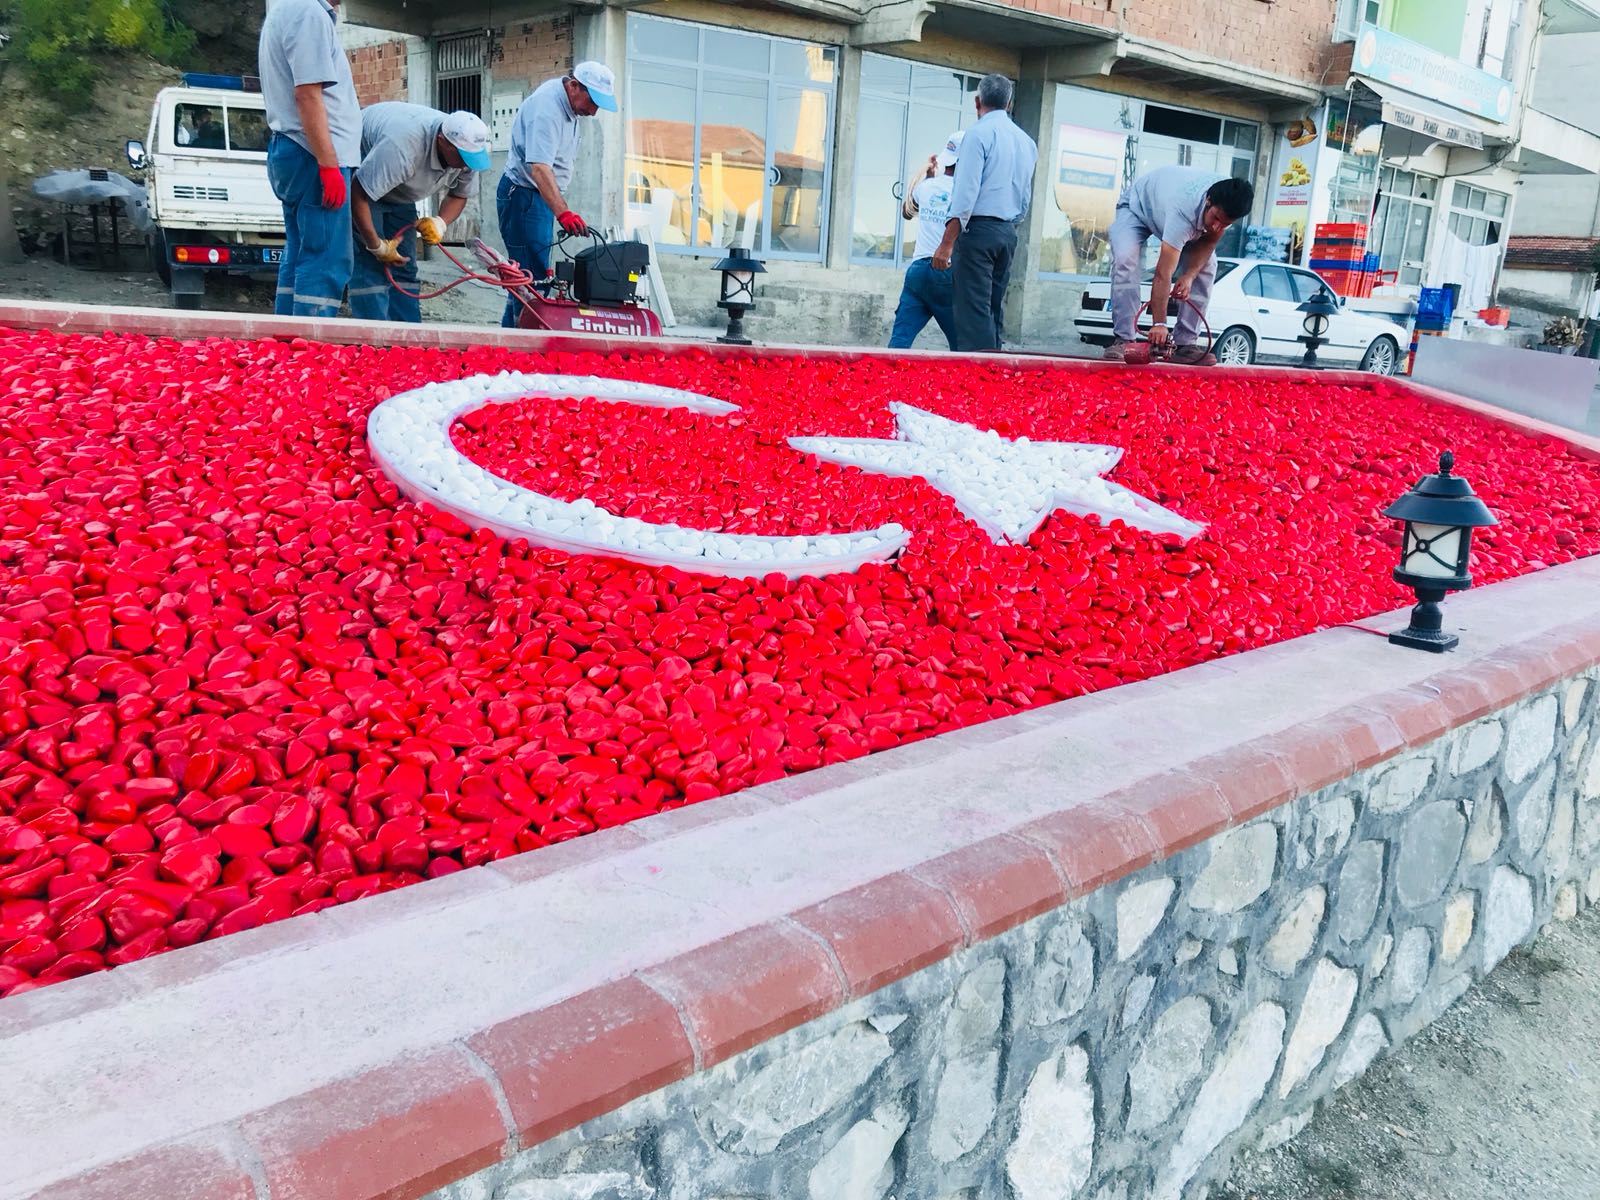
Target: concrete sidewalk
<point>1497,1100</point>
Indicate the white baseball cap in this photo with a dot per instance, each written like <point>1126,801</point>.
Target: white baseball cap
<point>602,84</point>
<point>952,149</point>
<point>468,134</point>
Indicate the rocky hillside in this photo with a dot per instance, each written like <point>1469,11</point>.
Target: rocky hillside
<point>36,137</point>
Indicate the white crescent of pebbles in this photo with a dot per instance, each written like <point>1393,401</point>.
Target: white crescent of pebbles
<point>409,437</point>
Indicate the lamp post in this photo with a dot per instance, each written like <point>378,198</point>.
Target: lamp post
<point>739,271</point>
<point>1440,513</point>
<point>1320,311</point>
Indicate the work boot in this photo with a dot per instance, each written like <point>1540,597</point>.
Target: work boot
<point>1192,356</point>
<point>1117,351</point>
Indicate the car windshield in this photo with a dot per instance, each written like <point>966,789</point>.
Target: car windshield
<point>1224,269</point>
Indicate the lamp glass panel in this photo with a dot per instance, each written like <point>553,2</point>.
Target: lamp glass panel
<point>1426,545</point>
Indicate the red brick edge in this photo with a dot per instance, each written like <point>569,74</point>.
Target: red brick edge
<point>407,1128</point>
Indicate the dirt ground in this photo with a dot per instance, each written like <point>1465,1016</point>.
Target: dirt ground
<point>1498,1100</point>
<point>43,278</point>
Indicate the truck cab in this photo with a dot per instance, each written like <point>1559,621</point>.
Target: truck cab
<point>205,168</point>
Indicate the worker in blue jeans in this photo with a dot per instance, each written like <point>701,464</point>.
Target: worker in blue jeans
<point>927,293</point>
<point>528,228</point>
<point>409,153</point>
<point>316,141</point>
<point>544,144</point>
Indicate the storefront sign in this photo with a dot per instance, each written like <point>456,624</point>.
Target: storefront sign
<point>1390,58</point>
<point>1438,129</point>
<point>1294,168</point>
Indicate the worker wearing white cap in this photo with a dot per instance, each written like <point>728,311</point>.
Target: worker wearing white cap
<point>409,153</point>
<point>544,144</point>
<point>928,292</point>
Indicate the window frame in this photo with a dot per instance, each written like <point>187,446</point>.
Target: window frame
<point>225,110</point>
<point>775,82</point>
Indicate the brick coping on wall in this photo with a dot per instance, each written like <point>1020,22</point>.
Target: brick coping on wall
<point>388,1047</point>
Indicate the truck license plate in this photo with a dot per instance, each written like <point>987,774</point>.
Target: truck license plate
<point>272,257</point>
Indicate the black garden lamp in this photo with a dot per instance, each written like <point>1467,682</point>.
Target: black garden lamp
<point>1440,513</point>
<point>739,271</point>
<point>1320,311</point>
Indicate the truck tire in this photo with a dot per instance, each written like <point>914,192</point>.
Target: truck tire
<point>160,263</point>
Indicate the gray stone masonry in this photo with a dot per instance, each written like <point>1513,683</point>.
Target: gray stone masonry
<point>1123,1046</point>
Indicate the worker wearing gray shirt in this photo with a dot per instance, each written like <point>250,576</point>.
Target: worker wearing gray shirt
<point>544,144</point>
<point>1189,209</point>
<point>316,139</point>
<point>993,183</point>
<point>409,152</point>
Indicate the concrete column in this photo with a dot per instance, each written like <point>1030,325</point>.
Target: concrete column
<point>598,176</point>
<point>1034,109</point>
<point>841,198</point>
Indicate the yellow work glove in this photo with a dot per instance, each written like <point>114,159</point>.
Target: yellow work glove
<point>431,230</point>
<point>388,253</point>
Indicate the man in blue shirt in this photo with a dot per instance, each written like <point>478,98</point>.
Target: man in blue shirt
<point>1189,209</point>
<point>993,184</point>
<point>544,143</point>
<point>927,293</point>
<point>316,141</point>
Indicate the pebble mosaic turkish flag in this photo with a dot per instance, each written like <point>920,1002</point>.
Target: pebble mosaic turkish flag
<point>242,676</point>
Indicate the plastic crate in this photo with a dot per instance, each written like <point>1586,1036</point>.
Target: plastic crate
<point>1339,257</point>
<point>1337,230</point>
<point>1434,302</point>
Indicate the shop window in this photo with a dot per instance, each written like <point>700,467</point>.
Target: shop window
<point>907,112</point>
<point>729,138</point>
<point>1102,141</point>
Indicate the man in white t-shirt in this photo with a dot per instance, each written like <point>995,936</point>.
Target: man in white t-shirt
<point>928,292</point>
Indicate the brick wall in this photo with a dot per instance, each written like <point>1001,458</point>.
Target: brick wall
<point>533,51</point>
<point>1286,37</point>
<point>380,72</point>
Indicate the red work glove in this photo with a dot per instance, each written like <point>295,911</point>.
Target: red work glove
<point>571,222</point>
<point>334,189</point>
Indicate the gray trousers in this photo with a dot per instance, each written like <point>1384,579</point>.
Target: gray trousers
<point>982,269</point>
<point>1128,236</point>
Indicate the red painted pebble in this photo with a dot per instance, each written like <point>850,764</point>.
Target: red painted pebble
<point>241,680</point>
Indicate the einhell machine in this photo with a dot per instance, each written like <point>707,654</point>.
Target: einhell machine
<point>595,291</point>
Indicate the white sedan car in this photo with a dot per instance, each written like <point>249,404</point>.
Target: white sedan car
<point>1254,313</point>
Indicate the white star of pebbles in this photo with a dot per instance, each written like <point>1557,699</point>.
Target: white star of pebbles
<point>409,436</point>
<point>1007,486</point>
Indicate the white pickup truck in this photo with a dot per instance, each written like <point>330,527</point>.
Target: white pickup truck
<point>205,169</point>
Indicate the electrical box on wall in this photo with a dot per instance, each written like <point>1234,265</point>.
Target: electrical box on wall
<point>502,115</point>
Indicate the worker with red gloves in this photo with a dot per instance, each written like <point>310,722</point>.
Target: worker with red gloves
<point>316,141</point>
<point>544,143</point>
<point>409,152</point>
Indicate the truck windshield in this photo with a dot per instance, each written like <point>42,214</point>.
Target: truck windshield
<point>215,127</point>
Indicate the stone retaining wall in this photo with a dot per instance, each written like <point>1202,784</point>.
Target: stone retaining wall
<point>1125,1044</point>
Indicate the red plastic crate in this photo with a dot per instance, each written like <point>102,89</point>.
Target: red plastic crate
<point>1337,230</point>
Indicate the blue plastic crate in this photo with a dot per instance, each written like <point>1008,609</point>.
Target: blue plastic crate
<point>1434,302</point>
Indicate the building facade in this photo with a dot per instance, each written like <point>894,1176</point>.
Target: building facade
<point>791,127</point>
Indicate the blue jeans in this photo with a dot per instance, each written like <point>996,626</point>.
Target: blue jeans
<point>926,293</point>
<point>316,250</point>
<point>372,298</point>
<point>528,227</point>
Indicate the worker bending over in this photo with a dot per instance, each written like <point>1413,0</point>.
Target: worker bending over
<point>1189,209</point>
<point>409,153</point>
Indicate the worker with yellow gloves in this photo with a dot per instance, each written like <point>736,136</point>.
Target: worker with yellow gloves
<point>408,153</point>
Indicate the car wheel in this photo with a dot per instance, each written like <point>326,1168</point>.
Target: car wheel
<point>1382,357</point>
<point>1235,348</point>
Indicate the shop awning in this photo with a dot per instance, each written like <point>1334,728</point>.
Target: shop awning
<point>1413,123</point>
